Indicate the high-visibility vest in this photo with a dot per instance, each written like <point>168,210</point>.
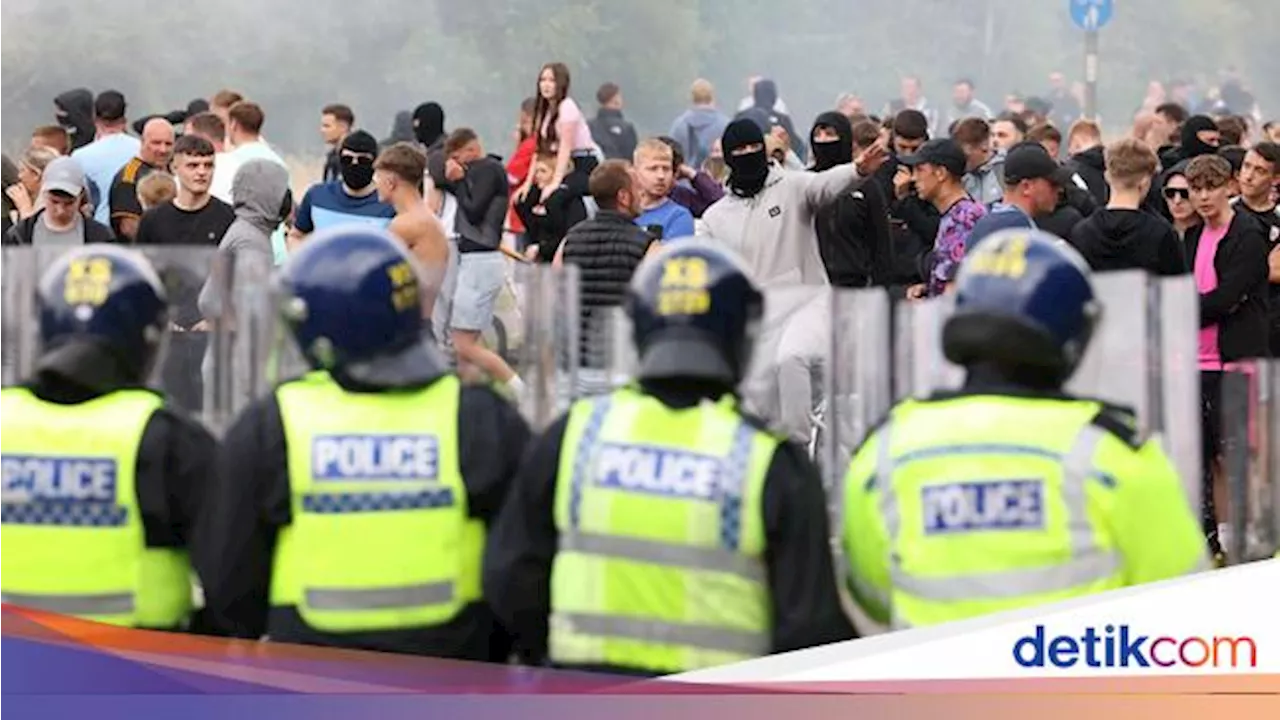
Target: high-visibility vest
<point>380,538</point>
<point>73,540</point>
<point>982,504</point>
<point>660,564</point>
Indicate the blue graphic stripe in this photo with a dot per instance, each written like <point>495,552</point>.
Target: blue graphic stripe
<point>67,513</point>
<point>735,476</point>
<point>582,459</point>
<point>341,503</point>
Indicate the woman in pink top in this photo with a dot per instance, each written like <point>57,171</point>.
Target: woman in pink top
<point>561,130</point>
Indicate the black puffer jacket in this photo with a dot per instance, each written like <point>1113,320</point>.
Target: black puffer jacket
<point>606,248</point>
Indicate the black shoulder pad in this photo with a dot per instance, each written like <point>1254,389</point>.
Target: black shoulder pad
<point>1122,422</point>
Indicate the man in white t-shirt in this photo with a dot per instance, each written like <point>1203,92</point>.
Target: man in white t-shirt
<point>244,129</point>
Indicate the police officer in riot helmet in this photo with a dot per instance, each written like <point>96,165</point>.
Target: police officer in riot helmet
<point>353,501</point>
<point>677,532</point>
<point>1008,492</point>
<point>103,478</point>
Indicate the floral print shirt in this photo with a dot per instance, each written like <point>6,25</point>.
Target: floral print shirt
<point>953,235</point>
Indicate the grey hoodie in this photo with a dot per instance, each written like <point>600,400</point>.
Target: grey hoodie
<point>258,196</point>
<point>696,130</point>
<point>985,182</point>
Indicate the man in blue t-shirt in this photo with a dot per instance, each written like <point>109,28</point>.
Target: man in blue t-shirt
<point>110,151</point>
<point>664,218</point>
<point>351,200</point>
<point>1032,182</point>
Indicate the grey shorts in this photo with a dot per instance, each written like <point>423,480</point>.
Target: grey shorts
<point>479,280</point>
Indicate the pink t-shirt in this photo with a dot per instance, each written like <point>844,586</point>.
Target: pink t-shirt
<point>1207,281</point>
<point>571,114</point>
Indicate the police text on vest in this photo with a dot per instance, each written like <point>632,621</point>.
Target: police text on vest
<point>30,478</point>
<point>657,471</point>
<point>976,506</point>
<point>375,457</point>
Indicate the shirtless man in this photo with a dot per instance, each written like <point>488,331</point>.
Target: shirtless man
<point>398,174</point>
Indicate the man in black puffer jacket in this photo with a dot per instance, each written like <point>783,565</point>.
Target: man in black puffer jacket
<point>606,248</point>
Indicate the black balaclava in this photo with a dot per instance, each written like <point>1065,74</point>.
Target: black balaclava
<point>765,94</point>
<point>76,116</point>
<point>747,173</point>
<point>827,155</point>
<point>1192,145</point>
<point>428,123</point>
<point>357,174</point>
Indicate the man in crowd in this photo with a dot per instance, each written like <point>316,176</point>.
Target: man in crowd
<point>398,173</point>
<point>913,221</point>
<point>1121,236</point>
<point>153,154</point>
<point>1167,126</point>
<point>1257,180</point>
<point>74,112</point>
<point>982,163</point>
<point>111,148</point>
<point>694,189</point>
<point>964,104</point>
<point>748,101</point>
<point>479,183</point>
<point>60,221</point>
<point>221,103</point>
<point>853,232</point>
<point>1084,145</point>
<point>352,198</point>
<point>1032,181</point>
<point>698,128</point>
<point>615,135</point>
<point>1008,130</point>
<point>244,129</point>
<point>1066,109</point>
<point>938,174</point>
<point>1049,137</point>
<point>194,217</point>
<point>210,127</point>
<point>664,218</point>
<point>336,122</point>
<point>428,126</point>
<point>764,114</point>
<point>912,99</point>
<point>53,137</point>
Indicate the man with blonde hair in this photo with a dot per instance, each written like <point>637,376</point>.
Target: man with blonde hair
<point>1084,146</point>
<point>701,125</point>
<point>1122,236</point>
<point>663,217</point>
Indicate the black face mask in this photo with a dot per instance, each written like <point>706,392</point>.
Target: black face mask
<point>747,173</point>
<point>827,155</point>
<point>356,175</point>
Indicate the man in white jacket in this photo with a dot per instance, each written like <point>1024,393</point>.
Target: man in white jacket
<point>767,218</point>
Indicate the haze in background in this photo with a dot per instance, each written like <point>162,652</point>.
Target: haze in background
<point>478,58</point>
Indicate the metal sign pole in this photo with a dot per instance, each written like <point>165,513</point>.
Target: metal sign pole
<point>1091,74</point>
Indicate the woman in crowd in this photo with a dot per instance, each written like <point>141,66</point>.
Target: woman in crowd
<point>561,130</point>
<point>25,194</point>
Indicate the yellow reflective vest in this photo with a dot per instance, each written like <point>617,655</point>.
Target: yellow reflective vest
<point>660,564</point>
<point>380,538</point>
<point>966,506</point>
<point>73,540</point>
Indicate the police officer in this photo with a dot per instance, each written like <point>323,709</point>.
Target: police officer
<point>102,478</point>
<point>1009,493</point>
<point>352,502</point>
<point>657,529</point>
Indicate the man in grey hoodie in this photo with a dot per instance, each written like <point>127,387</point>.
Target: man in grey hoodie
<point>698,128</point>
<point>262,200</point>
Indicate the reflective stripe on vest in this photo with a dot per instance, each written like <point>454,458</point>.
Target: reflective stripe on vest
<point>370,475</point>
<point>1089,562</point>
<point>73,539</point>
<point>607,541</point>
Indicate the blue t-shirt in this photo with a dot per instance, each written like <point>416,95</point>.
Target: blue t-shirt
<point>328,205</point>
<point>1001,217</point>
<point>675,219</point>
<point>101,160</point>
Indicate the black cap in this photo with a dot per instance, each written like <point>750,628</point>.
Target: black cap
<point>1029,161</point>
<point>109,106</point>
<point>943,152</point>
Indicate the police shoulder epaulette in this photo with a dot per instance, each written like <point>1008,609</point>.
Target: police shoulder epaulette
<point>1122,422</point>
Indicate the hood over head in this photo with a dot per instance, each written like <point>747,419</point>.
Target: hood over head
<point>765,93</point>
<point>75,113</point>
<point>428,123</point>
<point>837,152</point>
<point>1094,157</point>
<point>260,194</point>
<point>1192,145</point>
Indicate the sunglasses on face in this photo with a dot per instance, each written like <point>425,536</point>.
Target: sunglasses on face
<point>1176,193</point>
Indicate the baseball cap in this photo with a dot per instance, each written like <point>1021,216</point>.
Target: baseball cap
<point>943,152</point>
<point>1029,161</point>
<point>64,175</point>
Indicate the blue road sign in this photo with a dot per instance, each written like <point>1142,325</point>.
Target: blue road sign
<point>1091,14</point>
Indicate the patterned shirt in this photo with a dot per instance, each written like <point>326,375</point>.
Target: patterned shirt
<point>953,235</point>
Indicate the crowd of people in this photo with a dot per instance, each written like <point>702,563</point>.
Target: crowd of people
<point>404,246</point>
